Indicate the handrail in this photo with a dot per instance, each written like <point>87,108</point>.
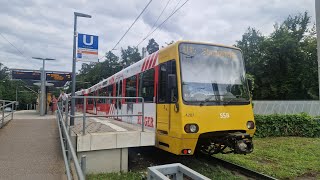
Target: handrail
<point>70,148</point>
<point>117,115</point>
<point>67,165</point>
<point>4,105</point>
<point>6,100</point>
<point>13,102</point>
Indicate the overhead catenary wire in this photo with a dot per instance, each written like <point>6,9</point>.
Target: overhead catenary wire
<point>176,10</point>
<point>11,44</point>
<point>154,24</point>
<point>22,54</point>
<point>130,27</point>
<point>175,7</point>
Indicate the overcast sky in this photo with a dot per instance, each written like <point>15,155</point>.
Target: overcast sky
<point>44,28</point>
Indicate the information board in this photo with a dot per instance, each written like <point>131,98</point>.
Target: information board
<point>54,76</point>
<point>87,49</point>
<point>25,74</point>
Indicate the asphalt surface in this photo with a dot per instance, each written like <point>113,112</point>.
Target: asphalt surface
<point>30,148</point>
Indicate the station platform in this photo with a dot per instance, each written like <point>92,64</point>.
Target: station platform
<point>106,142</point>
<point>30,148</point>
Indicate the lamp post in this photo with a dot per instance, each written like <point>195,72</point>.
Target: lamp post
<point>73,91</point>
<point>43,84</point>
<point>317,7</point>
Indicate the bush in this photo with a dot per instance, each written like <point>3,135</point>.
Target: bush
<point>277,125</point>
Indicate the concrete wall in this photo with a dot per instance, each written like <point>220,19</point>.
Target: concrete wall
<point>105,161</point>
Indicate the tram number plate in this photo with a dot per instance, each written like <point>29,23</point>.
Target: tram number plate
<point>224,115</point>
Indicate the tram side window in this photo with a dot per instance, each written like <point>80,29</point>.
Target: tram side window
<point>162,82</point>
<point>146,85</point>
<point>173,71</point>
<point>131,88</point>
<point>120,89</point>
<point>103,93</point>
<point>90,100</point>
<point>81,101</point>
<point>117,87</point>
<point>166,69</point>
<point>109,93</point>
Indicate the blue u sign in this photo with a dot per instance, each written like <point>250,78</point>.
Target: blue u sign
<point>87,41</point>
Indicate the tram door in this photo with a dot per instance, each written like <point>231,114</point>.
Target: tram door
<point>167,96</point>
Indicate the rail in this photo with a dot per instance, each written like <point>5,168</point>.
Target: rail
<point>68,149</point>
<point>3,108</point>
<point>234,167</point>
<point>84,116</point>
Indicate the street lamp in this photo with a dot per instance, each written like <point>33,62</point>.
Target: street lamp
<point>43,86</point>
<point>317,7</point>
<point>73,91</point>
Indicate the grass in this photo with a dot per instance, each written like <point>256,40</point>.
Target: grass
<point>115,176</point>
<point>212,172</point>
<point>282,157</point>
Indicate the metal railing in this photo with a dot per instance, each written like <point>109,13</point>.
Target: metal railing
<point>84,115</point>
<point>68,149</point>
<point>65,131</point>
<point>176,171</point>
<point>31,106</point>
<point>6,104</point>
<point>287,107</point>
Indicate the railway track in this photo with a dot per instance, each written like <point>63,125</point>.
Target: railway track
<point>234,167</point>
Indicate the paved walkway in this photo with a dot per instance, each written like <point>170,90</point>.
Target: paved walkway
<point>30,148</point>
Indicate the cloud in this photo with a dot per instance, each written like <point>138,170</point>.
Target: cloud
<point>45,28</point>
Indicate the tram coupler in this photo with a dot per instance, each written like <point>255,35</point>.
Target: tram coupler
<point>242,143</point>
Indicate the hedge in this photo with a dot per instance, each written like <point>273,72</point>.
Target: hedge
<point>277,125</point>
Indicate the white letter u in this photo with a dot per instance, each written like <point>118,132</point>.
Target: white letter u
<point>85,40</point>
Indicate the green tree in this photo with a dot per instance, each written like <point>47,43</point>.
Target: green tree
<point>91,74</point>
<point>283,64</point>
<point>8,89</point>
<point>129,56</point>
<point>152,46</point>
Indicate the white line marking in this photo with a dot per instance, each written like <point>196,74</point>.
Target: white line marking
<point>108,123</point>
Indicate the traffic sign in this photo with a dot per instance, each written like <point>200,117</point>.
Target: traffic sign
<point>87,48</point>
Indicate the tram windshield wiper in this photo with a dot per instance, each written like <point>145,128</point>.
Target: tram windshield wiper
<point>209,98</point>
<point>234,100</point>
<point>187,55</point>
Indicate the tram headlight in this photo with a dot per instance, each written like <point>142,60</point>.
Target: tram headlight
<point>250,125</point>
<point>191,128</point>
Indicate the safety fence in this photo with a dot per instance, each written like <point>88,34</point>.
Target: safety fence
<point>64,119</point>
<point>7,108</point>
<point>68,150</point>
<point>287,107</point>
<point>118,99</point>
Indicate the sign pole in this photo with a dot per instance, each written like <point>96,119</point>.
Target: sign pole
<point>43,90</point>
<point>73,91</point>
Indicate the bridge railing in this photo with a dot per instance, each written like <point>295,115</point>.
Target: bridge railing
<point>68,150</point>
<point>6,106</point>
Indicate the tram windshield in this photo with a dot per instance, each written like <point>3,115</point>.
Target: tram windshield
<point>212,74</point>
